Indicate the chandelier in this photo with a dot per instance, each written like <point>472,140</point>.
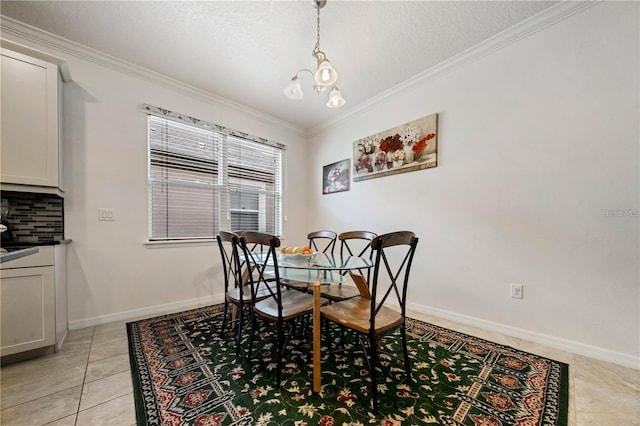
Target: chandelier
<point>324,76</point>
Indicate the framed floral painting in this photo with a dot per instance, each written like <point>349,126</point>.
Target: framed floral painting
<point>406,148</point>
<point>335,177</point>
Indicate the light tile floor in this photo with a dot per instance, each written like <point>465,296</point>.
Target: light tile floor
<point>89,382</point>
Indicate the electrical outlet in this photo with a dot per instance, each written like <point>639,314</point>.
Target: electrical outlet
<point>517,291</point>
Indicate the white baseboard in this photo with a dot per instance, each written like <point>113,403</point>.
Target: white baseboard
<point>148,312</point>
<point>602,354</point>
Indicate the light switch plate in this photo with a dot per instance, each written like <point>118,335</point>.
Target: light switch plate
<point>107,214</point>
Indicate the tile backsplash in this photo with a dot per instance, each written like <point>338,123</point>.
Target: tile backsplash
<point>33,217</point>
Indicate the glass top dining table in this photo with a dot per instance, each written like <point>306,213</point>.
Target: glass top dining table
<point>317,270</point>
<point>321,267</point>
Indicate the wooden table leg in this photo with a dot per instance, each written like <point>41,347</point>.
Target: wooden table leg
<point>234,312</point>
<point>316,337</point>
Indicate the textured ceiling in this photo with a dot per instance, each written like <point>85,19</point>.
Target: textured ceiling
<point>247,51</point>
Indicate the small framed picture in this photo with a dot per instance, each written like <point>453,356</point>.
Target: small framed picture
<point>335,177</point>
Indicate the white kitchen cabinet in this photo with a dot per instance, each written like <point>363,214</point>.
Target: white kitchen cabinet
<point>33,301</point>
<point>28,311</point>
<point>30,154</point>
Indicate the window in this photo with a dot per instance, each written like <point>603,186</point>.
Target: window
<point>245,209</point>
<point>203,180</point>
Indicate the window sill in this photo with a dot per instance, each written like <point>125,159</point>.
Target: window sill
<point>179,243</point>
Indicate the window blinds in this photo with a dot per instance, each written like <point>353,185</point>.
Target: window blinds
<point>202,181</point>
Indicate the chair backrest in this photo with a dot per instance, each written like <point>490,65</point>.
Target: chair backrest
<point>393,255</point>
<point>357,243</point>
<point>229,255</point>
<point>322,241</point>
<point>258,249</point>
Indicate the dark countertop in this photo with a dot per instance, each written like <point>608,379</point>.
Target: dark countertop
<point>16,250</point>
<point>19,245</point>
<point>17,254</point>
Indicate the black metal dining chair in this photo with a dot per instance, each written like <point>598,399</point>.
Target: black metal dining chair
<point>352,243</point>
<point>282,305</point>
<point>322,241</point>
<point>372,317</point>
<point>239,291</point>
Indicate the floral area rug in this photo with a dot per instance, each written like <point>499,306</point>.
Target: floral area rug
<point>184,373</point>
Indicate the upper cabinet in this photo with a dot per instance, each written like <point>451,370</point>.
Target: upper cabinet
<point>30,150</point>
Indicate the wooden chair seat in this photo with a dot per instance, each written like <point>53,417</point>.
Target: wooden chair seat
<point>294,304</point>
<point>356,314</point>
<point>234,294</point>
<point>297,285</point>
<point>338,292</point>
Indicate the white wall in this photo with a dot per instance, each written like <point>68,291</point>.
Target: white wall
<point>535,141</point>
<point>112,274</point>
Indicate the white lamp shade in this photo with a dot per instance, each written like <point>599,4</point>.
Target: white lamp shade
<point>325,75</point>
<point>335,98</point>
<point>294,90</point>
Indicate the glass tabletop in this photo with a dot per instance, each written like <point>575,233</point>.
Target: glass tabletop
<point>317,262</point>
<point>323,276</point>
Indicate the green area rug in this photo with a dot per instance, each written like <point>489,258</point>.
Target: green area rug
<point>185,374</point>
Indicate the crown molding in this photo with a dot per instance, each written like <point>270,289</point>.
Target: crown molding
<point>63,67</point>
<point>538,22</point>
<point>29,35</point>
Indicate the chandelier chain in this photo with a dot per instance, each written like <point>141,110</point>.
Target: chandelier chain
<point>317,48</point>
